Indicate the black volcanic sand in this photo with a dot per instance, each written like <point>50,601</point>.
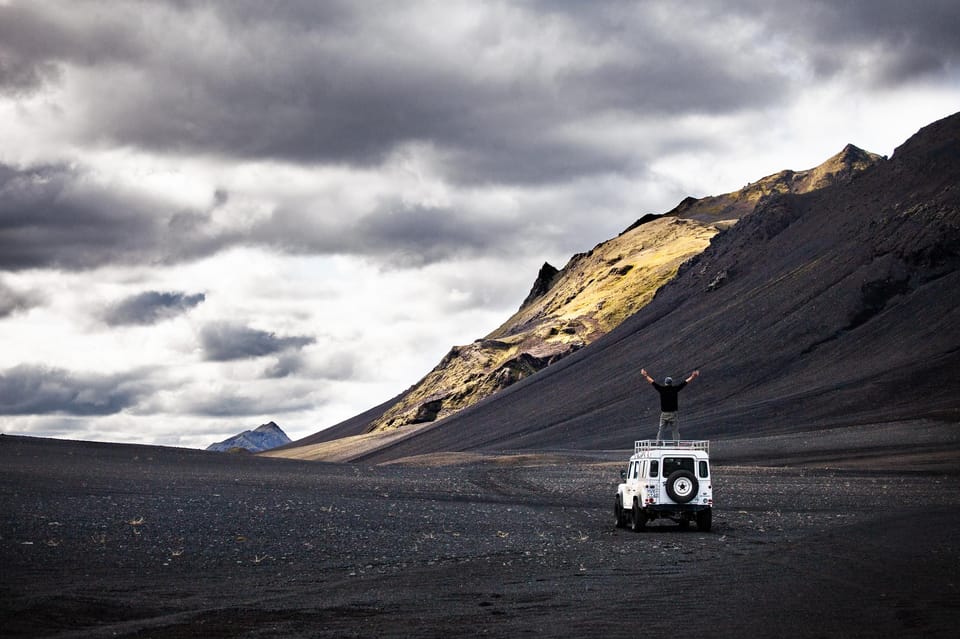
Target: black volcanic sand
<point>112,540</point>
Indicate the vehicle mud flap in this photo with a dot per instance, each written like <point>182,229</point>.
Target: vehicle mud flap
<point>704,520</point>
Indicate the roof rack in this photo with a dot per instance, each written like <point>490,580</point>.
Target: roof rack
<point>642,445</point>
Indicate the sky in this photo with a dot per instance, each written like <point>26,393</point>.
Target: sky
<point>217,214</point>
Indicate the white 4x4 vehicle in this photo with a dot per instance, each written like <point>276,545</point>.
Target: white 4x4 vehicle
<point>666,479</point>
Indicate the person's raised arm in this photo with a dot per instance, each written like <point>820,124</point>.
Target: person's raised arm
<point>646,376</point>
<point>693,376</point>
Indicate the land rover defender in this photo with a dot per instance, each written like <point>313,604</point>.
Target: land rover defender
<point>666,479</point>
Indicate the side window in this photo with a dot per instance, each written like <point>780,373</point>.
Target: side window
<point>643,468</point>
<point>655,468</point>
<point>704,470</point>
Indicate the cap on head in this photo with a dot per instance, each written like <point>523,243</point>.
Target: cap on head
<point>668,381</point>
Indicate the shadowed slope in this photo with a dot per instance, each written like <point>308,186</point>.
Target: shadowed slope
<point>837,307</point>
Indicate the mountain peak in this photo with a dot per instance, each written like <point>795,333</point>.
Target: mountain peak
<point>545,280</point>
<point>840,167</point>
<point>264,437</point>
<point>268,427</point>
<point>853,157</point>
<point>728,208</point>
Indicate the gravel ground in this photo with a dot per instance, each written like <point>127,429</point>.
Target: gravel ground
<point>101,540</point>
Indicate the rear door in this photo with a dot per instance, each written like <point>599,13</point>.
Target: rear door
<point>671,465</point>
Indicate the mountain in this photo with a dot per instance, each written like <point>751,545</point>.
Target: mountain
<point>264,437</point>
<point>570,308</point>
<point>594,293</point>
<point>818,311</point>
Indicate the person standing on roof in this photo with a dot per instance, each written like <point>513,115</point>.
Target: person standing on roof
<point>669,402</point>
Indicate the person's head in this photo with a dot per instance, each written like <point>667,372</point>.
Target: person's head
<point>668,381</point>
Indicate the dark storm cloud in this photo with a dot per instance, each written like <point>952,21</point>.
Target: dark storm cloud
<point>151,307</point>
<point>225,341</point>
<point>21,77</point>
<point>907,40</point>
<point>13,301</point>
<point>514,99</point>
<point>344,83</point>
<point>287,364</point>
<point>35,40</point>
<point>49,217</point>
<point>37,390</point>
<point>46,219</point>
<point>58,215</point>
<point>420,234</point>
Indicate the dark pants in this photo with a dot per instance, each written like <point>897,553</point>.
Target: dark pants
<point>671,420</point>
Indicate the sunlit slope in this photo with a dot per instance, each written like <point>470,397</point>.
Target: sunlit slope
<point>589,297</point>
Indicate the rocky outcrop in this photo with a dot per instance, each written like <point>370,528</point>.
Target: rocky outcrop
<point>545,280</point>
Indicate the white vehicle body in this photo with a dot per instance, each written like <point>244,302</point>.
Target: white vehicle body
<point>666,479</point>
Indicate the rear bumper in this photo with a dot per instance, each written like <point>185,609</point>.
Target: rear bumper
<point>677,508</point>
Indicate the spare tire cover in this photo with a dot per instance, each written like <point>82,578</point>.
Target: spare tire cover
<point>682,486</point>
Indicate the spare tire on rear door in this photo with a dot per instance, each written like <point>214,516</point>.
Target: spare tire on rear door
<point>682,486</point>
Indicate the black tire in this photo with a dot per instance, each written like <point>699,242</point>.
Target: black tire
<point>637,517</point>
<point>704,520</point>
<point>619,517</point>
<point>682,486</point>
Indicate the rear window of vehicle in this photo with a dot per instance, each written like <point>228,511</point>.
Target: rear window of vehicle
<point>673,464</point>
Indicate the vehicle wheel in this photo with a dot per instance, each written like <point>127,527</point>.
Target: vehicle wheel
<point>704,519</point>
<point>637,519</point>
<point>682,486</point>
<point>619,519</point>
